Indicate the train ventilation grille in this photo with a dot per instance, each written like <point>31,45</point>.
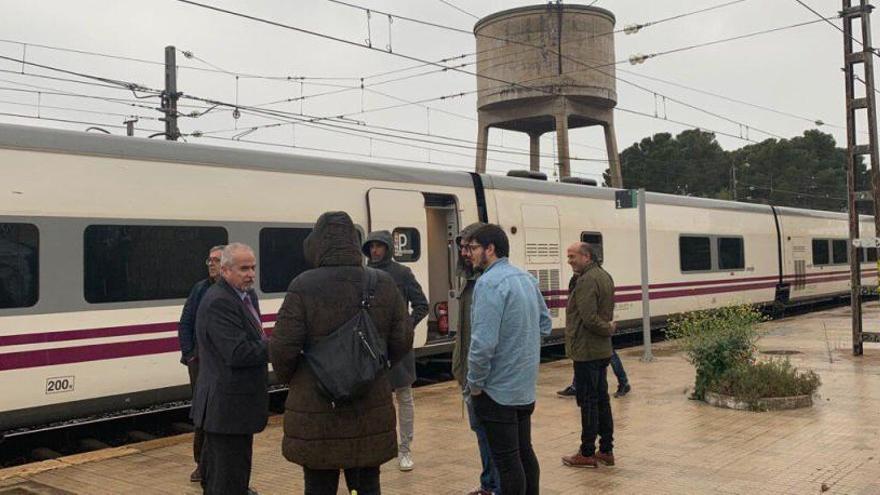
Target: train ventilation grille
<point>542,252</point>
<point>548,280</point>
<point>800,274</point>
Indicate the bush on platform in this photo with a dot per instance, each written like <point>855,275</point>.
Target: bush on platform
<point>716,340</point>
<point>721,344</point>
<point>765,379</point>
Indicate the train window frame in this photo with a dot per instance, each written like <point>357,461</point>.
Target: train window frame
<point>813,244</point>
<point>263,258</point>
<point>91,261</point>
<point>718,240</point>
<point>834,250</point>
<point>712,253</point>
<point>33,230</point>
<point>601,242</point>
<point>417,252</point>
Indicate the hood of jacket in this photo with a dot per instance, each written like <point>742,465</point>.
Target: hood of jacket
<point>465,270</point>
<point>333,241</point>
<point>384,237</point>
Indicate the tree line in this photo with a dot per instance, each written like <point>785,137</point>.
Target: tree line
<point>807,171</point>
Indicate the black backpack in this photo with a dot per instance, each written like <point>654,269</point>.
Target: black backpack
<point>349,359</point>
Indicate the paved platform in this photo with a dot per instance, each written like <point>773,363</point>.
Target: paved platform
<point>665,443</point>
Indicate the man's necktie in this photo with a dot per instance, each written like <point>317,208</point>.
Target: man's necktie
<point>254,313</point>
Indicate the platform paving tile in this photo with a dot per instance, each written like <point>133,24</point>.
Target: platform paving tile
<point>664,443</point>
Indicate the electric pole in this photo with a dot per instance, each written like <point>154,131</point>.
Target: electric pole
<point>852,57</point>
<point>170,95</point>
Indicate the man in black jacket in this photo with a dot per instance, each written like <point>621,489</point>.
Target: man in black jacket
<point>231,402</point>
<point>378,249</point>
<point>186,335</point>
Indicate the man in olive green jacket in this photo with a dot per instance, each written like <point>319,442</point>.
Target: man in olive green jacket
<point>490,481</point>
<point>589,326</point>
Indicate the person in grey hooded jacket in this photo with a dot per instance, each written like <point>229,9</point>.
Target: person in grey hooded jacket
<point>378,249</point>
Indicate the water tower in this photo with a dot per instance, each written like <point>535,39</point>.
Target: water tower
<point>557,66</point>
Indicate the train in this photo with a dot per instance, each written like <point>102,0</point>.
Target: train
<point>101,238</point>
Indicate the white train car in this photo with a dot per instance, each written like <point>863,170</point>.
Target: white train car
<point>101,238</point>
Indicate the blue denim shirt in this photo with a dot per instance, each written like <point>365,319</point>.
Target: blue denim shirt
<point>508,317</point>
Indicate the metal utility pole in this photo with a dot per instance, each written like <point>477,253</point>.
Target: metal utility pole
<point>648,355</point>
<point>733,181</point>
<point>170,95</point>
<point>129,125</point>
<point>852,57</point>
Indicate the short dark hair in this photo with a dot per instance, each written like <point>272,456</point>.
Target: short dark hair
<point>492,234</point>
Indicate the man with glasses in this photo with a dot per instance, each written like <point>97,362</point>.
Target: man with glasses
<point>489,481</point>
<point>186,334</point>
<point>508,318</point>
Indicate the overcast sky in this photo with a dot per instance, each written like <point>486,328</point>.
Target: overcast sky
<point>795,71</point>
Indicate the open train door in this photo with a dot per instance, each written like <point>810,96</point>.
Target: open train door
<point>403,214</point>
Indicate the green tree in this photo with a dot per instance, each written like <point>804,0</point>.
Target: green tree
<point>691,163</point>
<point>807,171</point>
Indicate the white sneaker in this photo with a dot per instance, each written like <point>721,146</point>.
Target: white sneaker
<point>405,462</point>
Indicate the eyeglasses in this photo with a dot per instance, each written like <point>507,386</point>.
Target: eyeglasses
<point>473,247</point>
<point>212,261</point>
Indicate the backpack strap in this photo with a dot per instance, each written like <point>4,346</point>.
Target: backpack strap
<point>369,289</point>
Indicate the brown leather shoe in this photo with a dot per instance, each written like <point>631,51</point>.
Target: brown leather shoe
<point>606,458</point>
<point>196,475</point>
<point>580,461</point>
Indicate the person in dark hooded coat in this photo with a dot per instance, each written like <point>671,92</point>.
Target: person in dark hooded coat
<point>359,436</point>
<point>378,250</point>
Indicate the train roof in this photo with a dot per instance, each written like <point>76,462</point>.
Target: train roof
<point>133,148</point>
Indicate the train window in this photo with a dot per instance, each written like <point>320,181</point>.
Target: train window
<point>731,255</point>
<point>282,257</point>
<point>19,265</point>
<point>407,244</point>
<point>145,262</point>
<point>821,253</point>
<point>839,251</point>
<point>594,238</point>
<point>695,253</point>
<point>871,254</point>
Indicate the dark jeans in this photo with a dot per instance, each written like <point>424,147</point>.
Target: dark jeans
<point>591,383</point>
<point>326,481</point>
<point>199,435</point>
<point>226,463</point>
<point>509,430</point>
<point>617,368</point>
<point>489,479</point>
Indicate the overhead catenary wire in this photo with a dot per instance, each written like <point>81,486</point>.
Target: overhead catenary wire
<point>142,88</point>
<point>727,40</point>
<point>286,119</point>
<point>835,26</point>
<point>71,121</point>
<point>483,76</point>
<point>127,58</point>
<point>410,57</point>
<point>456,7</point>
<point>733,100</point>
<point>40,106</point>
<point>362,155</point>
<point>129,85</point>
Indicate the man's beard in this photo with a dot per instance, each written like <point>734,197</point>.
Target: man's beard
<point>482,264</point>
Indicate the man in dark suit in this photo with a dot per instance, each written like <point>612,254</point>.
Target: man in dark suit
<point>231,402</point>
<point>186,335</point>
